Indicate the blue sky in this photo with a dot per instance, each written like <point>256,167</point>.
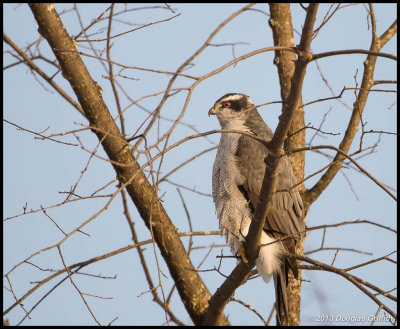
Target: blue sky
<point>37,172</point>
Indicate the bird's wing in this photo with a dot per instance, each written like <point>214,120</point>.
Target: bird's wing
<point>286,214</point>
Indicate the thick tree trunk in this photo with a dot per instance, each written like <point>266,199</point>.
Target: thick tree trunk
<point>282,29</point>
<point>192,290</point>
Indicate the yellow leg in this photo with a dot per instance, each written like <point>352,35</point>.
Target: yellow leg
<point>242,253</point>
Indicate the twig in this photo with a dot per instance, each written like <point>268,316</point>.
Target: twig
<point>343,273</point>
<point>130,31</point>
<point>251,308</point>
<point>351,52</point>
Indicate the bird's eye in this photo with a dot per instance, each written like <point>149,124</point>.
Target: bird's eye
<point>226,104</point>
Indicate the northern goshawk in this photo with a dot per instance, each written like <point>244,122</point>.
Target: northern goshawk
<point>237,178</point>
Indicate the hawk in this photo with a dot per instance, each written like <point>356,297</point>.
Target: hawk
<point>237,178</point>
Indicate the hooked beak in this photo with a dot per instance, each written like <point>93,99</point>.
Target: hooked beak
<point>213,111</point>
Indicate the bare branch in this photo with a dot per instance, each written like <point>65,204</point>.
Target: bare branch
<point>367,82</point>
<point>351,52</point>
<point>120,34</point>
<point>241,272</point>
<point>32,65</point>
<point>353,279</point>
<point>189,284</point>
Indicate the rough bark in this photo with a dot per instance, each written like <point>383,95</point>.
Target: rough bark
<point>193,292</point>
<point>252,243</point>
<point>282,30</point>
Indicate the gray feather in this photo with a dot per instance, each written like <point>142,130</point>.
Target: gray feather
<point>238,174</point>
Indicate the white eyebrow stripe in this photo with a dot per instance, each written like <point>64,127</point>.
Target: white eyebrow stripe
<point>232,98</point>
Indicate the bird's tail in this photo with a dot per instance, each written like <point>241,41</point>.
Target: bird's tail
<point>281,281</point>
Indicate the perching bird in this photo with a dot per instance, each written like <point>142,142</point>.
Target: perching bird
<point>237,178</point>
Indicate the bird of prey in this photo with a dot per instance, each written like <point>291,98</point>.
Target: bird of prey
<point>237,178</point>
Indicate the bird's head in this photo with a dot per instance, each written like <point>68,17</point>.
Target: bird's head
<point>232,109</point>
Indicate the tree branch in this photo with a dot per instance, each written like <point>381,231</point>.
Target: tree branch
<point>252,243</point>
<point>367,83</point>
<point>35,68</point>
<point>192,290</point>
<point>352,51</point>
<point>186,63</point>
<point>282,31</point>
<point>353,279</point>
